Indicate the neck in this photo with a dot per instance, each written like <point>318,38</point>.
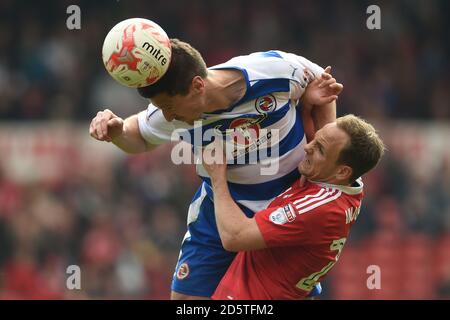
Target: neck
<point>335,182</point>
<point>223,88</point>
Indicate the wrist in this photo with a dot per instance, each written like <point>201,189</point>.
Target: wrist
<point>116,140</point>
<point>218,179</point>
<point>118,137</point>
<point>305,102</point>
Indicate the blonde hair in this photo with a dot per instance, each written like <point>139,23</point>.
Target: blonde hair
<point>365,148</point>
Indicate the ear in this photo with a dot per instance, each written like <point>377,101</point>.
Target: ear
<point>344,173</point>
<point>198,85</point>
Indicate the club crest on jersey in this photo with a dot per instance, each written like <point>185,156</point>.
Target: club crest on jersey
<point>283,215</point>
<point>266,104</point>
<point>243,131</point>
<point>183,271</point>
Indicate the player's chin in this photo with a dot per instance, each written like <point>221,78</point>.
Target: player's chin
<point>183,120</point>
<point>303,168</point>
<point>191,121</point>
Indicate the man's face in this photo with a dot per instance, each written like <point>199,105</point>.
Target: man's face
<point>322,153</point>
<point>186,108</point>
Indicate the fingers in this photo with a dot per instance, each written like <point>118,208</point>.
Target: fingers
<point>98,128</point>
<point>92,130</point>
<point>336,87</point>
<point>327,99</point>
<point>104,130</point>
<point>214,160</point>
<point>114,122</point>
<point>101,124</point>
<point>330,99</point>
<point>327,82</point>
<point>333,85</point>
<point>325,76</point>
<point>302,181</point>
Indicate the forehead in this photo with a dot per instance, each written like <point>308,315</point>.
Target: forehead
<point>331,134</point>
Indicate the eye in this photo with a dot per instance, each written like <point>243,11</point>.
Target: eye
<point>320,148</point>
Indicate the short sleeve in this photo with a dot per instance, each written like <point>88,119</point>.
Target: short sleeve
<point>309,219</point>
<point>153,127</point>
<point>303,72</point>
<point>282,226</point>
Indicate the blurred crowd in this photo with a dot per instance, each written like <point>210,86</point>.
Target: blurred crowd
<point>122,225</point>
<point>401,71</point>
<point>123,222</point>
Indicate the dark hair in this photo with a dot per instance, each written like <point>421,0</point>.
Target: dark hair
<point>185,64</point>
<point>365,148</point>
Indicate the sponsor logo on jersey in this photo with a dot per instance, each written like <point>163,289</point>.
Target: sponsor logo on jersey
<point>243,131</point>
<point>290,213</point>
<point>278,216</point>
<point>283,215</point>
<point>183,271</point>
<point>266,104</point>
<point>245,136</point>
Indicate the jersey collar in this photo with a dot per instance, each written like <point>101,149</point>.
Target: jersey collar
<point>356,188</point>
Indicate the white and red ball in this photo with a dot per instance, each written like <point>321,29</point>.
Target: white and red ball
<point>136,52</point>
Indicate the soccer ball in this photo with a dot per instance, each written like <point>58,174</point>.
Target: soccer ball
<point>136,52</point>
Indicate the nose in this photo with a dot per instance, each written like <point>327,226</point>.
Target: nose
<point>308,148</point>
<point>168,115</point>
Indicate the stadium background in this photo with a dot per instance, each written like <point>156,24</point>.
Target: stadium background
<point>66,199</point>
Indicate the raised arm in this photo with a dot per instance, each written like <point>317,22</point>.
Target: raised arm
<point>236,231</point>
<point>319,101</point>
<point>125,134</point>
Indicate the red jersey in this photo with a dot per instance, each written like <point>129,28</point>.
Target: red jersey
<point>305,230</point>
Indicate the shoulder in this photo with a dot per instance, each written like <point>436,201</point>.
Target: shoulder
<point>154,117</point>
<point>272,64</point>
<point>315,198</point>
<point>329,206</point>
<point>312,204</point>
<point>156,129</point>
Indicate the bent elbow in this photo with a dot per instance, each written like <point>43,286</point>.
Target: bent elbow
<point>230,244</point>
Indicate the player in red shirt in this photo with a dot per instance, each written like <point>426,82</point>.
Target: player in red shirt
<point>290,246</point>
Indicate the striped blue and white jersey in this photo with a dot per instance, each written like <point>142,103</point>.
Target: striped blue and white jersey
<point>267,115</point>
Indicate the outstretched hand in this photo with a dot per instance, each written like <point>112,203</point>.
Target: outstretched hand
<point>323,90</point>
<point>106,126</point>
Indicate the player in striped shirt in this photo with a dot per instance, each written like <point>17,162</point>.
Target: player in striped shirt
<point>254,102</point>
<point>290,246</point>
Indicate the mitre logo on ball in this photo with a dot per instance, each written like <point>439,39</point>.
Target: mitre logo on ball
<point>136,52</point>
